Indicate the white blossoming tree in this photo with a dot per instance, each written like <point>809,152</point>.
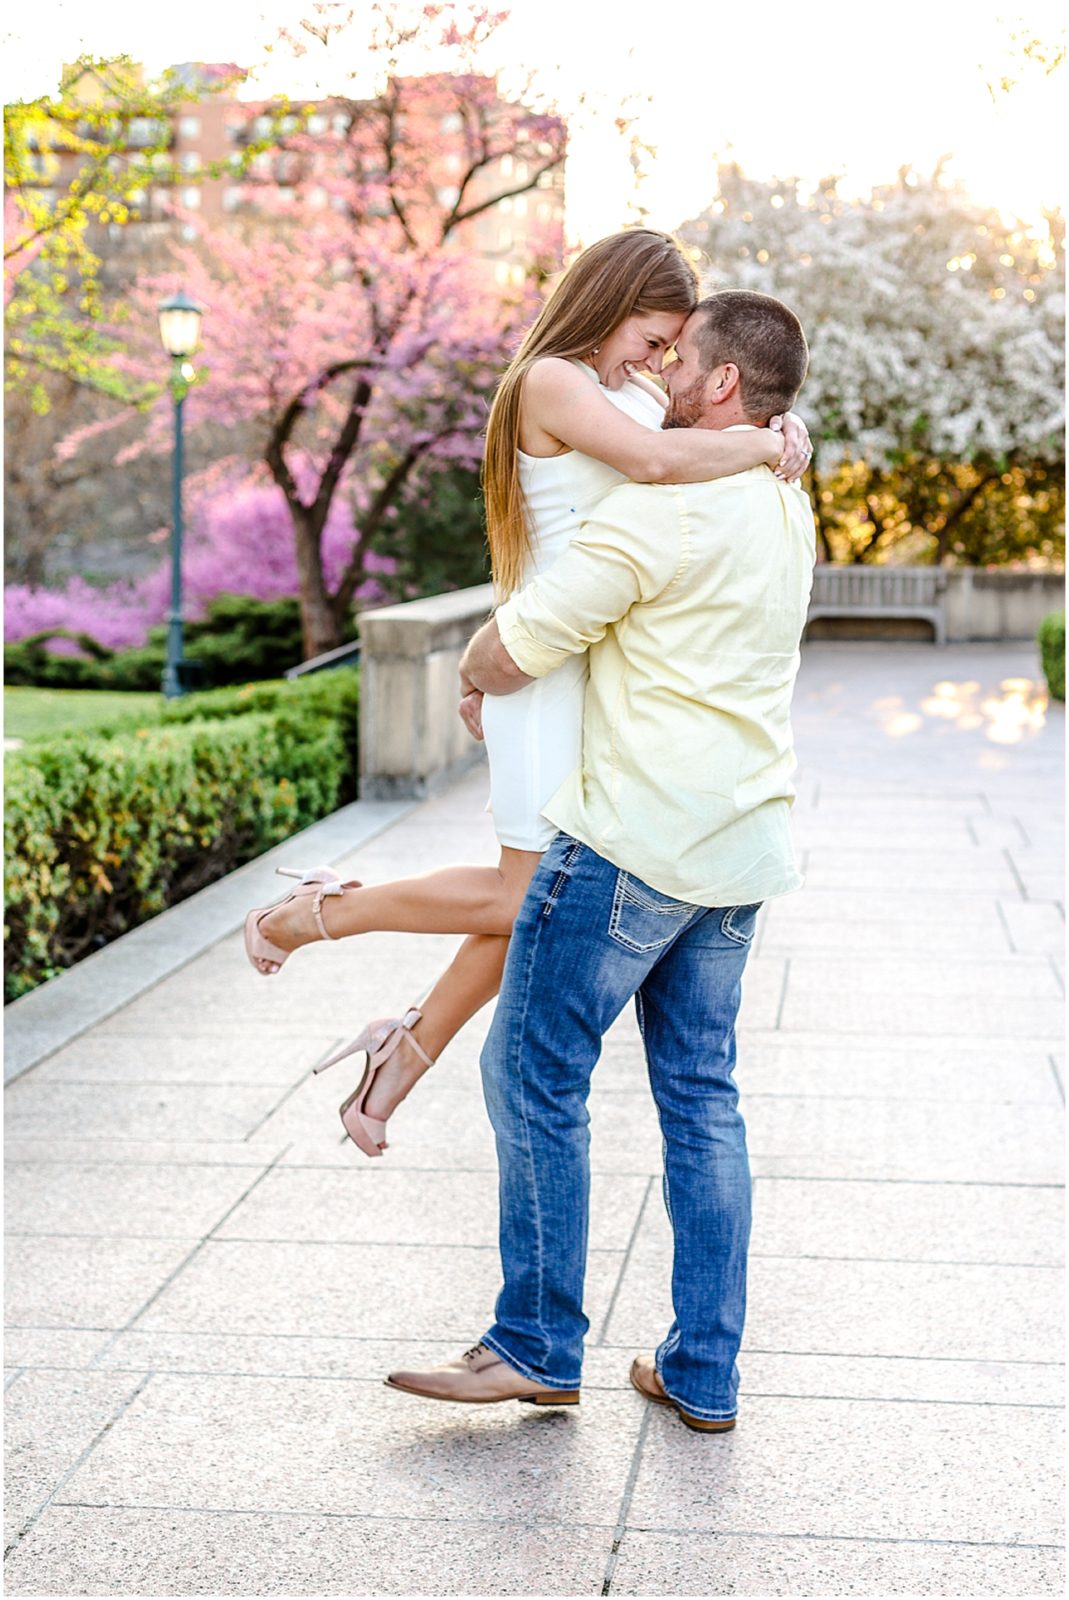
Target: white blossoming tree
<point>936,333</point>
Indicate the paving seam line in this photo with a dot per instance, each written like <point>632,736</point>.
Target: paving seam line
<point>65,1478</point>
<point>625,1503</point>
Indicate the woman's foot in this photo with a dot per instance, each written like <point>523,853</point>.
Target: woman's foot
<point>293,922</point>
<point>380,1041</point>
<point>290,924</point>
<point>272,933</point>
<point>393,1081</point>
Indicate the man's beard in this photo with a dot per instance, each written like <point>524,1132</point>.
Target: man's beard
<point>686,407</point>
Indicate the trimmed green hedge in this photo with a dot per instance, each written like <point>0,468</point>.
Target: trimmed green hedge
<point>1052,652</point>
<point>103,832</point>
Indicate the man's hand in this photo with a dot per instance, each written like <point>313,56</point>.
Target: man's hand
<point>797,446</point>
<point>487,665</point>
<point>471,713</point>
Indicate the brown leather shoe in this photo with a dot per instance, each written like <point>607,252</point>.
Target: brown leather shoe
<point>647,1380</point>
<point>480,1378</point>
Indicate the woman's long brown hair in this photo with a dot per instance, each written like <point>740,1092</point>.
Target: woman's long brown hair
<point>636,271</point>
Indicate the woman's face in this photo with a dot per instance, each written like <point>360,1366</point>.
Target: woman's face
<point>639,344</point>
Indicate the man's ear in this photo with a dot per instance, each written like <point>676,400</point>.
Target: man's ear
<point>723,383</point>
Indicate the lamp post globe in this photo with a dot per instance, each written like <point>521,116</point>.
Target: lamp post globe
<point>179,320</point>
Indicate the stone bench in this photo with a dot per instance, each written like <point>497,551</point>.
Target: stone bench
<point>908,592</point>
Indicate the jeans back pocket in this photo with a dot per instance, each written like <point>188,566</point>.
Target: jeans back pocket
<point>644,919</point>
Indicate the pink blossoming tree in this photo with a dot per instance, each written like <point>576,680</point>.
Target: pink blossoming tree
<point>353,315</point>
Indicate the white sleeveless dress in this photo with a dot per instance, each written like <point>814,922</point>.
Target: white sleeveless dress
<point>534,737</point>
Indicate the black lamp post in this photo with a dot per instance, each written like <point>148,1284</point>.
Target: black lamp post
<point>179,334</point>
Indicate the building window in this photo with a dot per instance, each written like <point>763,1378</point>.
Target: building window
<point>506,166</point>
<point>452,122</point>
<point>520,206</point>
<point>191,199</point>
<point>501,272</point>
<point>505,206</point>
<point>504,239</point>
<point>190,161</point>
<point>317,197</point>
<point>317,124</point>
<point>142,131</point>
<point>232,199</point>
<point>189,127</point>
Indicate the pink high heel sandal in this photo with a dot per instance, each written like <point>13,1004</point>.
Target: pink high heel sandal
<point>379,1040</point>
<point>317,882</point>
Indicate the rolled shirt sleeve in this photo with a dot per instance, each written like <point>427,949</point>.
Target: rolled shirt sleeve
<point>615,560</point>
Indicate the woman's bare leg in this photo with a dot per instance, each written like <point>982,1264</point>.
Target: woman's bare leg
<point>469,983</point>
<point>451,900</point>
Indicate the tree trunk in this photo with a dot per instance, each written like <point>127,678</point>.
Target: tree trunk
<point>319,625</point>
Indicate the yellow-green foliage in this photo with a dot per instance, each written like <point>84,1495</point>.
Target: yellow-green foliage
<point>102,833</point>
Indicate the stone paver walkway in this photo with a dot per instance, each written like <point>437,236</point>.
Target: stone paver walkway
<point>206,1286</point>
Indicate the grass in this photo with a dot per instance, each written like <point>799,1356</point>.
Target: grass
<point>31,714</point>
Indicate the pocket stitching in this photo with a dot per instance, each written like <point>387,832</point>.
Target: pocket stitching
<point>677,910</point>
<point>728,929</point>
<point>563,874</point>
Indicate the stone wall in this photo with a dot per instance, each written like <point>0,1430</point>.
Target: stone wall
<point>1000,605</point>
<point>412,741</point>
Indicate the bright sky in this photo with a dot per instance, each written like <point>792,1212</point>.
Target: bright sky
<point>807,89</point>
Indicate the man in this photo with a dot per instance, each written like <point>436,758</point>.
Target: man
<point>691,599</point>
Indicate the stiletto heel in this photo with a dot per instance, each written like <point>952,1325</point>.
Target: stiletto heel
<point>317,882</point>
<point>379,1040</point>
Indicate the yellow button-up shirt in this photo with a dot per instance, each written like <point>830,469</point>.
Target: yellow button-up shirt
<point>691,599</point>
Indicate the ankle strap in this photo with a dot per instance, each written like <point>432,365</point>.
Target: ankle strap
<point>407,1023</point>
<point>317,907</point>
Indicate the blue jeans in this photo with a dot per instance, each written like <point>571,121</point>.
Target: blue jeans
<point>587,938</point>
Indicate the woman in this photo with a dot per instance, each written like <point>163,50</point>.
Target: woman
<point>575,414</point>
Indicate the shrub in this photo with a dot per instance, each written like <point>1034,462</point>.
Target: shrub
<point>238,639</point>
<point>102,833</point>
<point>1052,652</point>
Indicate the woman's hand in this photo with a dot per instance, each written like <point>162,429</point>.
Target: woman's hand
<point>471,713</point>
<point>797,446</point>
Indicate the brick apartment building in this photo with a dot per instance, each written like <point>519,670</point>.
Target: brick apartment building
<point>213,127</point>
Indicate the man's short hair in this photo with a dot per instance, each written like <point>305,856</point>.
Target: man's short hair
<point>763,338</point>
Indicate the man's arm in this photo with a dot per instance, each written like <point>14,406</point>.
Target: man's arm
<point>625,554</point>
